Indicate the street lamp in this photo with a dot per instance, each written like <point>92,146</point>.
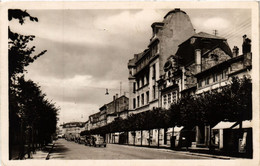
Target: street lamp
<point>106,92</point>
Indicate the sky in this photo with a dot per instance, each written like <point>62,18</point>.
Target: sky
<point>88,50</point>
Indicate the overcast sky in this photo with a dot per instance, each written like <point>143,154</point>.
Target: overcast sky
<point>88,50</point>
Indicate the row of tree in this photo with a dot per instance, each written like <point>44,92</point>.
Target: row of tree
<point>232,102</point>
<point>32,117</point>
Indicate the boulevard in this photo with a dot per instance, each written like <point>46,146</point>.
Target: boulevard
<point>66,150</point>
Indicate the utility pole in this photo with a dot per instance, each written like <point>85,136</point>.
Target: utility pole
<point>215,32</point>
<point>120,88</point>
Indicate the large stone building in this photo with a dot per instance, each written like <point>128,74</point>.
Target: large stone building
<point>198,53</point>
<point>146,68</point>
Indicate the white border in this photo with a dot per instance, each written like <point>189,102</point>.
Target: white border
<point>128,5</point>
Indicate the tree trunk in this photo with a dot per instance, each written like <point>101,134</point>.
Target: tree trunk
<point>165,136</point>
<point>21,151</point>
<point>158,137</point>
<point>134,137</point>
<point>149,141</point>
<point>141,137</point>
<point>33,141</point>
<point>127,139</point>
<point>172,138</point>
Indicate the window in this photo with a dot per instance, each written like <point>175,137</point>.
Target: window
<point>147,78</point>
<point>215,77</point>
<point>223,74</point>
<point>142,99</point>
<point>138,101</point>
<point>207,81</point>
<point>137,83</point>
<point>200,83</point>
<point>154,95</point>
<point>154,49</point>
<point>164,99</point>
<point>134,103</point>
<point>169,98</point>
<point>154,71</point>
<point>174,97</point>
<point>147,97</point>
<point>134,84</point>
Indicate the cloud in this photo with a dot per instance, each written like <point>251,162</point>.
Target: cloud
<point>128,21</point>
<point>78,89</point>
<point>210,24</point>
<point>70,112</point>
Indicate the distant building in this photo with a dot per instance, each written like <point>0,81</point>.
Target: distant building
<point>117,108</point>
<point>73,129</point>
<point>94,121</point>
<point>146,68</point>
<point>108,112</point>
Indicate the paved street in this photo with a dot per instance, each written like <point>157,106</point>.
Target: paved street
<point>69,150</point>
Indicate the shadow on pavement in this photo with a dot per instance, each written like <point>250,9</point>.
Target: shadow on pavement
<point>59,148</point>
<point>47,148</point>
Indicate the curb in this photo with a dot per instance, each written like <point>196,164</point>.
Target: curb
<point>208,155</point>
<point>188,152</point>
<point>48,156</point>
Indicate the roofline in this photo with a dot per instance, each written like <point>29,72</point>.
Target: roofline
<point>174,11</point>
<point>117,98</point>
<point>227,62</point>
<point>157,23</point>
<point>224,39</point>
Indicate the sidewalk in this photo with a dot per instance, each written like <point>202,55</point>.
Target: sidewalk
<point>204,152</point>
<point>42,154</point>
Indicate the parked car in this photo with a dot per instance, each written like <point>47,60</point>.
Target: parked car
<point>99,141</point>
<point>60,136</point>
<point>89,140</point>
<point>81,139</point>
<point>95,140</point>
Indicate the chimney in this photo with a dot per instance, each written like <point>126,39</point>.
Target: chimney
<point>246,46</point>
<point>198,60</point>
<point>235,51</point>
<point>116,96</point>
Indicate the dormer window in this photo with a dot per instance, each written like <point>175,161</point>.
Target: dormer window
<point>156,26</point>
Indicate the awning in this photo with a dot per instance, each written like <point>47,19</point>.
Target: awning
<point>224,125</point>
<point>245,124</point>
<point>176,129</point>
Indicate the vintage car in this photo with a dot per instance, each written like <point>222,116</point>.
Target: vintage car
<point>95,140</point>
<point>99,141</point>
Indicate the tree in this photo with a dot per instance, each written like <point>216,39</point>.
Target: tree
<point>230,103</point>
<point>19,54</point>
<point>32,117</point>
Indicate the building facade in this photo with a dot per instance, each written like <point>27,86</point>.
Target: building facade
<point>117,108</point>
<point>146,68</point>
<point>202,63</point>
<point>73,130</point>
